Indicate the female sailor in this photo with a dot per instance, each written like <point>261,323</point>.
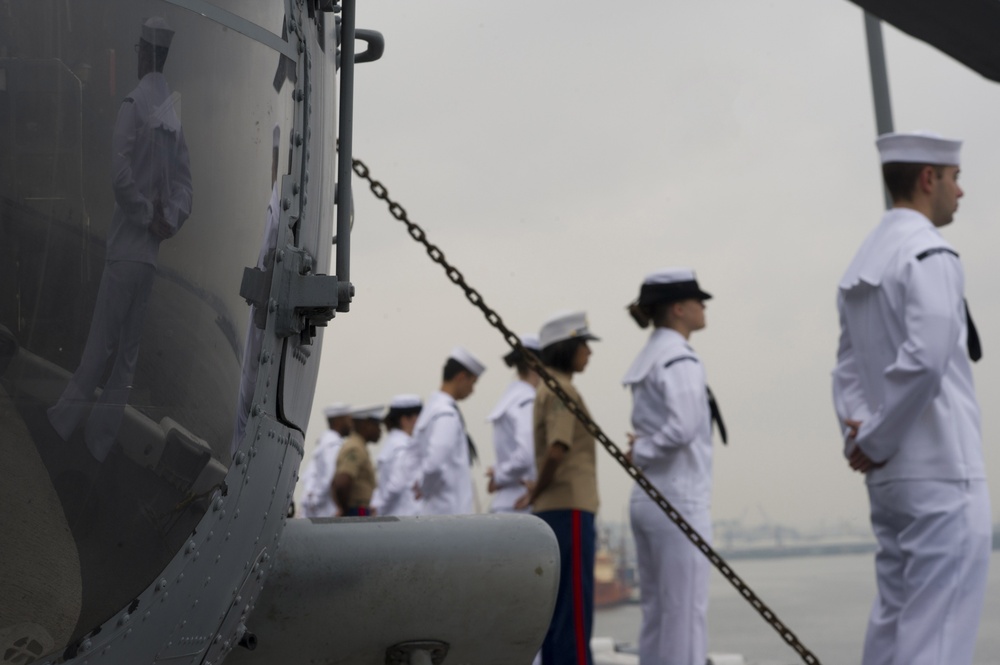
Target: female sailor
<point>394,494</point>
<point>672,444</point>
<point>565,494</point>
<point>513,435</point>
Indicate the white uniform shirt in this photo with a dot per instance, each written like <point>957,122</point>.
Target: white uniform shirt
<point>671,418</point>
<point>514,441</point>
<point>149,163</point>
<point>443,449</point>
<point>394,493</point>
<point>902,365</point>
<point>317,494</point>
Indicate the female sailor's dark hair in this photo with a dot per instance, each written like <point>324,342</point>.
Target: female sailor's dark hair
<point>655,313</point>
<point>640,314</point>
<point>396,414</point>
<point>560,355</point>
<point>517,360</point>
<point>659,291</point>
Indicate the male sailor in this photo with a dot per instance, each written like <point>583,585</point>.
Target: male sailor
<point>513,432</point>
<point>905,402</point>
<point>151,178</point>
<point>672,413</point>
<point>394,466</point>
<point>354,479</point>
<point>445,450</point>
<point>317,479</point>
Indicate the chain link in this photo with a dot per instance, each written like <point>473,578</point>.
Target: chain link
<point>418,234</point>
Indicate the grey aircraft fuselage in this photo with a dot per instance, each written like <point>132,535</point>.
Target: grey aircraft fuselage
<point>154,394</point>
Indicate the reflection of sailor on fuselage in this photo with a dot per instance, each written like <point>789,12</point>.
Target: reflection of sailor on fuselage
<point>151,175</point>
<point>317,479</point>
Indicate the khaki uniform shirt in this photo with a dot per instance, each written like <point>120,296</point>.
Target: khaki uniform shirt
<point>574,486</point>
<point>355,461</point>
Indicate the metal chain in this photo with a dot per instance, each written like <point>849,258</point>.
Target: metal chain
<point>418,234</point>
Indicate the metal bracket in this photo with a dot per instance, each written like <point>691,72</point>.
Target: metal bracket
<point>375,42</point>
<point>426,652</point>
<point>304,301</point>
<point>256,290</point>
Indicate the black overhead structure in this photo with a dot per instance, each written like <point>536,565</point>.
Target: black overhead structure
<point>967,30</point>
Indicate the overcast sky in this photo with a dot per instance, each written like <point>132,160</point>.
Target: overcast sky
<point>559,151</point>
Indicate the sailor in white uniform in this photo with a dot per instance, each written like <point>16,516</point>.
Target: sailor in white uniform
<point>906,405</point>
<point>394,465</point>
<point>672,415</point>
<point>317,479</point>
<point>514,433</point>
<point>445,450</point>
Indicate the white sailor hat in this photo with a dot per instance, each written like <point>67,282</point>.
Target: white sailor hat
<point>374,412</point>
<point>337,409</point>
<point>565,325</point>
<point>918,148</point>
<point>406,401</point>
<point>530,342</point>
<point>467,360</point>
<point>670,285</point>
<point>155,31</point>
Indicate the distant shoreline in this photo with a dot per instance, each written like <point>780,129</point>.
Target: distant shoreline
<point>813,549</point>
<point>799,550</point>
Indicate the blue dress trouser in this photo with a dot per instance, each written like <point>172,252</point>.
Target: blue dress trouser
<point>568,639</point>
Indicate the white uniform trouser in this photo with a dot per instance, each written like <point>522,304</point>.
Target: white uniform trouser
<point>934,550</point>
<point>115,331</point>
<point>673,581</point>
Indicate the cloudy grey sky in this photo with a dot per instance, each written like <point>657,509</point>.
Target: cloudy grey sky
<point>559,151</point>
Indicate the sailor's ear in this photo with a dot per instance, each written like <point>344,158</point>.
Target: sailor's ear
<point>925,181</point>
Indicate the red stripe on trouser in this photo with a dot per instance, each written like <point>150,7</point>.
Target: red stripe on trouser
<point>581,648</point>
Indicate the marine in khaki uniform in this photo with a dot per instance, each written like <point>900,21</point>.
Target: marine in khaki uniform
<point>565,495</point>
<point>354,481</point>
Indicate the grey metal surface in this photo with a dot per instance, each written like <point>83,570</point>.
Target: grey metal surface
<point>964,29</point>
<point>348,590</point>
<point>346,151</point>
<point>156,553</point>
<point>309,200</point>
<point>880,81</point>
<point>241,25</point>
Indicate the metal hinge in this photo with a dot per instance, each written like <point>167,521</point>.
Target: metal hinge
<point>304,301</point>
